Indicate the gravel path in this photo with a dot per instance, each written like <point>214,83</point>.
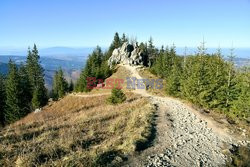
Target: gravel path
<point>184,137</point>
<point>192,142</point>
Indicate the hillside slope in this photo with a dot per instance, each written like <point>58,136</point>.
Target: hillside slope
<point>79,130</point>
<point>146,130</point>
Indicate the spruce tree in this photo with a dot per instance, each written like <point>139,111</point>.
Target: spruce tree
<point>2,100</point>
<point>54,86</point>
<point>173,81</point>
<point>217,81</point>
<point>158,65</point>
<point>190,79</point>
<point>60,85</point>
<point>169,58</point>
<point>96,66</point>
<point>63,85</point>
<point>81,84</point>
<point>230,89</point>
<point>117,96</point>
<point>167,63</point>
<point>199,75</point>
<point>145,57</point>
<point>71,86</point>
<point>116,43</point>
<point>13,95</point>
<point>151,50</point>
<point>123,39</point>
<point>26,91</point>
<point>36,78</point>
<point>241,105</point>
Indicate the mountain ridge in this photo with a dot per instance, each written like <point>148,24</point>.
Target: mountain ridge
<point>64,50</point>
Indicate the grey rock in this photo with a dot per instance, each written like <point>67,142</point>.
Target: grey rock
<point>128,54</point>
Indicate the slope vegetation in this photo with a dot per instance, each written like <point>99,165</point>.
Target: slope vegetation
<point>79,130</point>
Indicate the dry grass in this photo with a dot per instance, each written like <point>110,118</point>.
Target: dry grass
<point>145,73</point>
<point>121,73</point>
<point>77,131</point>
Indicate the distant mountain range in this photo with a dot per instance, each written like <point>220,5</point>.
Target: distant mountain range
<point>3,68</point>
<point>52,51</point>
<point>71,65</point>
<point>62,52</point>
<point>71,60</point>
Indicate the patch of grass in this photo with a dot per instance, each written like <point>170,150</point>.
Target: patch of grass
<point>107,158</point>
<point>145,73</point>
<point>49,155</point>
<point>78,131</point>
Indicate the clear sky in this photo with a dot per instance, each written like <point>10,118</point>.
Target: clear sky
<point>79,23</point>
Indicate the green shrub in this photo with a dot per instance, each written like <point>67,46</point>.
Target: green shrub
<point>117,96</point>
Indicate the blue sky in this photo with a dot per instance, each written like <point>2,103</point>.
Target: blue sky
<point>78,23</point>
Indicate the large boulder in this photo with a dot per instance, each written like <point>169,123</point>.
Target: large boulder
<point>127,54</point>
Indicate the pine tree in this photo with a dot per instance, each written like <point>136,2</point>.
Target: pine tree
<point>96,66</point>
<point>230,94</point>
<point>191,85</point>
<point>241,105</point>
<point>55,86</point>
<point>36,78</point>
<point>63,85</point>
<point>217,81</point>
<point>13,95</point>
<point>71,86</point>
<point>145,57</point>
<point>124,39</point>
<point>166,65</point>
<point>26,91</point>
<point>35,99</point>
<point>151,50</point>
<point>105,69</point>
<point>173,81</point>
<point>116,43</point>
<point>199,76</point>
<point>60,85</point>
<point>81,84</point>
<point>2,100</point>
<point>117,96</point>
<point>169,58</point>
<point>159,64</point>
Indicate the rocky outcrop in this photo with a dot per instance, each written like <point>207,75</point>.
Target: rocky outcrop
<point>128,54</point>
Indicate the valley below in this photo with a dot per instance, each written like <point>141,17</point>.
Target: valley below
<point>71,65</point>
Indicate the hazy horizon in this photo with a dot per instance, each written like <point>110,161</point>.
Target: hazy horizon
<point>84,51</point>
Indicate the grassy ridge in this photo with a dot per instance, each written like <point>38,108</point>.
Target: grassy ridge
<point>78,131</point>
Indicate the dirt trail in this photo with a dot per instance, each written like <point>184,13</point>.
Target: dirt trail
<point>90,95</point>
<point>210,122</point>
<point>184,137</point>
